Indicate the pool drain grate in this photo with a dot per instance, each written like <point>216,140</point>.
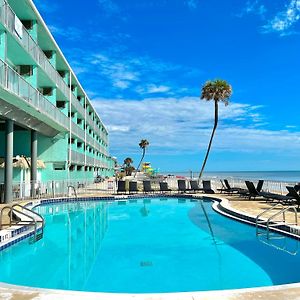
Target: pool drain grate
<point>146,263</point>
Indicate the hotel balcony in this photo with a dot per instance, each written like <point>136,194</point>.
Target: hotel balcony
<point>8,19</point>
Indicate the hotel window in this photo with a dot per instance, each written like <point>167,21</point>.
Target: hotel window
<point>28,24</point>
<point>26,70</point>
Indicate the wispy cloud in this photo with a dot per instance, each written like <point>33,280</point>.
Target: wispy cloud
<point>153,89</point>
<point>46,7</point>
<point>192,4</point>
<point>113,71</point>
<point>284,21</point>
<point>109,7</point>
<point>255,7</point>
<point>183,125</point>
<point>70,33</point>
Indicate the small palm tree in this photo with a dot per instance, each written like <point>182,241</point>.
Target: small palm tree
<point>143,145</point>
<point>218,91</point>
<point>128,161</point>
<point>127,166</point>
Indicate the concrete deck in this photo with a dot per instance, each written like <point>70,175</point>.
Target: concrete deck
<point>255,207</point>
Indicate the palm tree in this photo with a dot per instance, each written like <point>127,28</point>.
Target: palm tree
<point>218,91</point>
<point>127,166</point>
<point>143,145</point>
<point>128,161</point>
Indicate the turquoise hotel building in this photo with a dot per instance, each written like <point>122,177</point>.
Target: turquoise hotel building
<point>49,129</point>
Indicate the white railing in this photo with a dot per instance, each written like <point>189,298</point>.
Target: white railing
<point>272,186</point>
<point>61,188</point>
<point>8,18</point>
<point>16,84</point>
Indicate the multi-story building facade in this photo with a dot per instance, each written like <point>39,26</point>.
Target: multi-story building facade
<point>46,117</point>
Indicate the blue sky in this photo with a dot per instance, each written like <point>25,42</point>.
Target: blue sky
<point>143,62</point>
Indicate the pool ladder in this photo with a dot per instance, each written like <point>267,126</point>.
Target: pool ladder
<point>270,222</point>
<point>32,219</point>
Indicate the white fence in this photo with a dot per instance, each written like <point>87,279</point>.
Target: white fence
<point>60,188</point>
<point>79,187</point>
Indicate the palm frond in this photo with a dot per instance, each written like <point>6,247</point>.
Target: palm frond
<point>217,90</point>
<point>144,144</point>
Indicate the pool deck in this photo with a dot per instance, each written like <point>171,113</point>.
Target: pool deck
<point>252,208</point>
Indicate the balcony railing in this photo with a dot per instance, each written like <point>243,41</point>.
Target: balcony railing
<point>80,158</point>
<point>14,83</point>
<point>8,17</point>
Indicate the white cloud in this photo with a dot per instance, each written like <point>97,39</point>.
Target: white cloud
<point>183,125</point>
<point>109,7</point>
<point>284,20</point>
<point>114,70</point>
<point>192,4</point>
<point>153,89</point>
<point>253,7</point>
<point>46,7</point>
<point>70,33</point>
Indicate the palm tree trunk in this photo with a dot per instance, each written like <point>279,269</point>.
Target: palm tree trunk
<point>143,155</point>
<point>211,139</point>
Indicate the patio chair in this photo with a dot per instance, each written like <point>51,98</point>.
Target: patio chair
<point>121,187</point>
<point>245,192</point>
<point>293,193</point>
<point>163,187</point>
<point>194,186</point>
<point>147,187</point>
<point>254,193</point>
<point>207,187</point>
<point>260,185</point>
<point>182,186</point>
<point>297,188</point>
<point>231,189</point>
<point>224,188</point>
<point>133,187</point>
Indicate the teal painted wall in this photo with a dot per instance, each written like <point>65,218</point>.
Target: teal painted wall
<point>3,45</point>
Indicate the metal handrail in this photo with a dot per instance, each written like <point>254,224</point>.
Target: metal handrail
<point>257,221</point>
<point>32,222</point>
<point>22,222</point>
<point>283,211</point>
<point>42,220</point>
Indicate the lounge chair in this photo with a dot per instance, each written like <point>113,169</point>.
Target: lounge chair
<point>245,192</point>
<point>259,185</point>
<point>294,195</point>
<point>133,187</point>
<point>231,189</point>
<point>207,187</point>
<point>163,186</point>
<point>147,187</point>
<point>297,188</point>
<point>254,193</point>
<point>224,188</point>
<point>121,187</point>
<point>194,186</point>
<point>182,186</point>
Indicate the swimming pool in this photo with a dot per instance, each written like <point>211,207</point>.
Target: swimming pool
<point>153,245</point>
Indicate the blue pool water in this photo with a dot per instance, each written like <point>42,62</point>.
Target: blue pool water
<point>147,246</point>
